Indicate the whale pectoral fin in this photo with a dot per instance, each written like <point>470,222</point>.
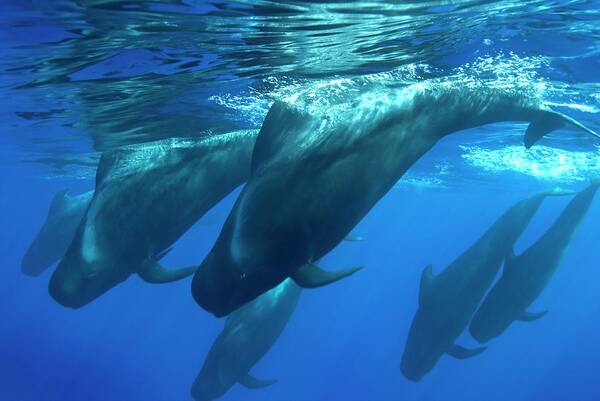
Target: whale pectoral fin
<point>427,283</point>
<point>459,352</point>
<point>152,272</point>
<point>531,316</point>
<point>251,382</point>
<point>354,238</point>
<point>312,276</point>
<point>163,253</point>
<point>547,121</point>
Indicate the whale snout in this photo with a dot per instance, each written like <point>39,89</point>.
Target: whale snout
<point>483,329</point>
<point>67,291</point>
<point>220,289</point>
<point>214,294</point>
<point>412,370</point>
<point>76,283</point>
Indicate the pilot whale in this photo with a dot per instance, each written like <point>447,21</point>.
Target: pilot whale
<point>55,235</point>
<point>525,276</point>
<point>146,197</point>
<point>447,301</point>
<point>317,172</point>
<point>248,335</point>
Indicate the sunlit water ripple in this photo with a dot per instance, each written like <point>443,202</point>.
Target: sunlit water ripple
<point>109,73</point>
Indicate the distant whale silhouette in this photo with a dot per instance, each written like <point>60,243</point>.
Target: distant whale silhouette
<point>447,301</point>
<point>525,276</point>
<point>316,173</point>
<point>56,233</point>
<point>247,336</point>
<point>146,197</point>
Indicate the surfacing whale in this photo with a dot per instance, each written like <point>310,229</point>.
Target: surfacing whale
<point>248,335</point>
<point>146,197</point>
<point>55,235</point>
<point>527,275</point>
<point>316,173</point>
<point>447,301</point>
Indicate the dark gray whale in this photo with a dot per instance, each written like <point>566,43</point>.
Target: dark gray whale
<point>447,301</point>
<point>317,172</point>
<point>525,276</point>
<point>146,197</point>
<point>56,233</point>
<point>248,335</point>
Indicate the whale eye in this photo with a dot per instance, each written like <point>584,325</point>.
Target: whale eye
<point>243,276</point>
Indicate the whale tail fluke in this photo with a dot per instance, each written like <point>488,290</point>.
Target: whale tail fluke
<point>152,272</point>
<point>312,276</point>
<point>547,121</point>
<point>253,383</point>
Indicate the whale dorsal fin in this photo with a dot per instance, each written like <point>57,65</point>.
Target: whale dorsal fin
<point>107,161</point>
<point>312,276</point>
<point>58,202</point>
<point>427,283</point>
<point>531,316</point>
<point>280,124</point>
<point>459,352</point>
<point>547,121</point>
<point>253,383</point>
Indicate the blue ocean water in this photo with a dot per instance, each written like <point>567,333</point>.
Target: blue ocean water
<point>81,77</point>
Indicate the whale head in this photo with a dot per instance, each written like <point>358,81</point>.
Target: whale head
<point>221,286</point>
<point>76,282</point>
<point>207,385</point>
<point>421,352</point>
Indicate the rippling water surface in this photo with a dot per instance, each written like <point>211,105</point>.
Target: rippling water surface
<point>84,76</point>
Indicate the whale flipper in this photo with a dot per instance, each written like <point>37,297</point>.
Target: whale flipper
<point>152,272</point>
<point>354,238</point>
<point>251,382</point>
<point>427,283</point>
<point>531,316</point>
<point>162,253</point>
<point>459,352</point>
<point>312,276</point>
<point>547,121</point>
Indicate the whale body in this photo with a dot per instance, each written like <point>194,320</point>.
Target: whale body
<point>55,235</point>
<point>146,197</point>
<point>248,335</point>
<point>525,276</point>
<point>447,301</point>
<point>316,173</point>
